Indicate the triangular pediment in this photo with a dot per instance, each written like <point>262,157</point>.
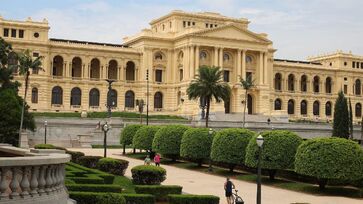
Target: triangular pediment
<point>232,32</point>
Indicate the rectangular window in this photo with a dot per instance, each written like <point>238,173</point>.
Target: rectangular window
<point>361,65</point>
<point>211,25</point>
<point>353,64</point>
<point>226,76</point>
<point>181,75</point>
<point>193,23</point>
<point>206,25</point>
<point>158,75</point>
<point>21,33</point>
<point>6,32</point>
<point>248,74</point>
<point>184,24</point>
<point>35,54</point>
<point>357,64</point>
<point>345,89</point>
<point>188,23</point>
<point>13,33</point>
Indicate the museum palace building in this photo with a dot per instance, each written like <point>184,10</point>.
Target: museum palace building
<point>172,49</point>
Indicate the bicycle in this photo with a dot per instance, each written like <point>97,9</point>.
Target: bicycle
<point>236,198</point>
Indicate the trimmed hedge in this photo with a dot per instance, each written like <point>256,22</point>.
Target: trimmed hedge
<point>94,188</point>
<point>167,140</point>
<point>330,158</point>
<point>89,179</point>
<point>148,175</point>
<point>89,161</point>
<point>193,199</point>
<point>75,155</point>
<point>113,166</point>
<point>48,146</point>
<point>196,144</point>
<point>97,198</point>
<point>160,192</point>
<point>144,137</point>
<point>139,198</point>
<point>128,133</point>
<point>92,174</point>
<point>278,152</point>
<point>229,146</point>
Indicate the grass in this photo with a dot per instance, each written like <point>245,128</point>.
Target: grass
<point>344,191</point>
<point>125,183</point>
<point>105,115</point>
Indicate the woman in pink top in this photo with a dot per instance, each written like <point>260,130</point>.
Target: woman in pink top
<point>157,159</point>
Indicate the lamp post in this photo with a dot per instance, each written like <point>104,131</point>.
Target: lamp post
<point>140,103</point>
<point>105,129</point>
<point>210,169</point>
<point>147,97</point>
<point>259,141</point>
<point>109,105</point>
<point>45,131</point>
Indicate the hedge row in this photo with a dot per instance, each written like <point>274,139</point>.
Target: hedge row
<point>94,188</point>
<point>193,199</point>
<point>160,192</point>
<point>97,198</point>
<point>148,175</point>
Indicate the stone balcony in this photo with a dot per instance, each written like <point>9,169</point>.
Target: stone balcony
<point>29,177</point>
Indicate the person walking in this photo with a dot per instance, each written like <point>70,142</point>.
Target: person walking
<point>147,160</point>
<point>228,186</point>
<point>157,159</point>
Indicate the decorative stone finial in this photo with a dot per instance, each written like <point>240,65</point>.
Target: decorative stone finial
<point>29,19</point>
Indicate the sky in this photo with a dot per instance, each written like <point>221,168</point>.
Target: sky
<point>298,28</point>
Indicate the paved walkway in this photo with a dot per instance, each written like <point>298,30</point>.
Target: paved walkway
<point>201,183</point>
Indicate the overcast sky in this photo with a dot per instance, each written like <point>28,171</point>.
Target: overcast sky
<point>298,28</point>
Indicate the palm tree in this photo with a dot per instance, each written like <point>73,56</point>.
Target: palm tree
<point>27,63</point>
<point>247,85</point>
<point>208,85</point>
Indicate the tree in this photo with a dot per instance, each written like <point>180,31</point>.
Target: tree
<point>341,117</point>
<point>128,134</point>
<point>247,85</point>
<point>330,158</point>
<point>208,85</point>
<point>350,120</point>
<point>144,137</point>
<point>6,72</point>
<point>26,64</point>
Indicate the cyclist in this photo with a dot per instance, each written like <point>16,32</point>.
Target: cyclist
<point>228,186</point>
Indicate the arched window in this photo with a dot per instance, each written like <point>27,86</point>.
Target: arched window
<point>158,100</point>
<point>226,57</point>
<point>12,61</point>
<point>278,104</point>
<point>94,97</point>
<point>304,81</point>
<point>76,67</point>
<point>358,86</point>
<point>316,84</point>
<point>130,71</point>
<point>203,55</point>
<point>129,99</point>
<point>291,82</point>
<point>95,68</point>
<point>112,69</point>
<point>158,56</point>
<point>303,107</point>
<point>34,95</point>
<point>291,107</point>
<point>58,66</point>
<point>278,82</point>
<point>328,85</point>
<point>249,59</point>
<point>112,98</point>
<point>358,110</point>
<point>328,109</point>
<point>316,108</point>
<point>76,96</point>
<point>57,96</point>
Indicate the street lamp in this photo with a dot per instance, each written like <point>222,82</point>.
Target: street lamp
<point>259,141</point>
<point>147,97</point>
<point>210,132</point>
<point>45,132</point>
<point>105,129</point>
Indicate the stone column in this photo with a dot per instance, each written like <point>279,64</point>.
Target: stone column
<point>105,71</point>
<point>186,62</point>
<point>244,64</point>
<point>239,71</point>
<point>65,70</point>
<point>191,62</point>
<point>215,56</point>
<point>220,57</point>
<point>265,67</point>
<point>196,59</point>
<point>260,69</point>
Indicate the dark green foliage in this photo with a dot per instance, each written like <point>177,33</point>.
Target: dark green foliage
<point>341,117</point>
<point>196,144</point>
<point>113,166</point>
<point>127,134</point>
<point>81,174</point>
<point>139,198</point>
<point>97,198</point>
<point>144,137</point>
<point>89,161</point>
<point>247,84</point>
<point>89,179</point>
<point>330,158</point>
<point>167,140</point>
<point>148,175</point>
<point>75,155</point>
<point>351,130</point>
<point>48,146</point>
<point>160,192</point>
<point>94,188</point>
<point>68,181</point>
<point>193,199</point>
<point>209,84</point>
<point>229,146</point>
<point>278,151</point>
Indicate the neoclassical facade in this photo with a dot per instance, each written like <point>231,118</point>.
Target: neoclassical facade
<point>172,49</point>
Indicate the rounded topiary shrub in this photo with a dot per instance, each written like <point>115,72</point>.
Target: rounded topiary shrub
<point>113,166</point>
<point>127,134</point>
<point>196,144</point>
<point>144,137</point>
<point>89,161</point>
<point>278,151</point>
<point>148,175</point>
<point>330,158</point>
<point>229,146</point>
<point>75,155</point>
<point>167,140</point>
<point>110,198</point>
